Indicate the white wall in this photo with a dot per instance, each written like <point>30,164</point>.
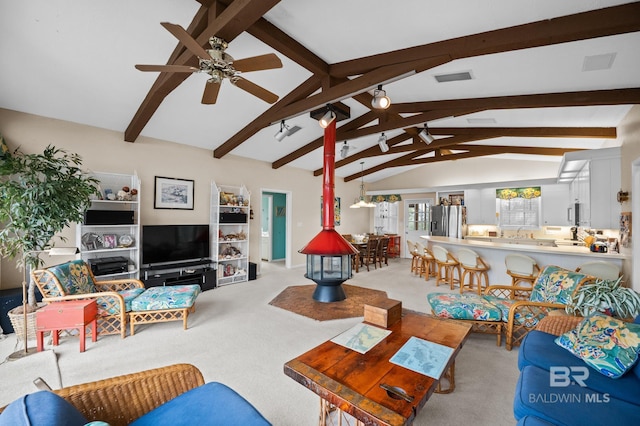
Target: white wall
<point>105,151</point>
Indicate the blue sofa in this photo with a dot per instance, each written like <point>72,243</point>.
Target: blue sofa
<point>569,396</point>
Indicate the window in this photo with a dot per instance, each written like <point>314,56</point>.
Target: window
<point>519,207</point>
<point>418,216</point>
<point>386,218</point>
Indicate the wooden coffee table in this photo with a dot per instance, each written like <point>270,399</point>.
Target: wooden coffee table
<point>352,381</point>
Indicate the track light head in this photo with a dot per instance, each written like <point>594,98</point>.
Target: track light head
<point>344,150</point>
<point>382,143</point>
<point>425,135</point>
<point>380,99</point>
<point>282,133</point>
<point>327,119</point>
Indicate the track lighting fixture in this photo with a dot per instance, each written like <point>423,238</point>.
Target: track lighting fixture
<point>425,135</point>
<point>380,99</point>
<point>285,131</point>
<point>344,150</point>
<point>382,143</point>
<point>327,119</point>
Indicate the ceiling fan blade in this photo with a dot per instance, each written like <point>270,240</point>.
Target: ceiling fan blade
<point>258,63</point>
<point>167,68</point>
<point>186,39</point>
<point>256,90</point>
<point>210,95</point>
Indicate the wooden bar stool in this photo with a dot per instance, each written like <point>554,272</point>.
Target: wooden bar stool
<point>415,257</point>
<point>522,269</point>
<point>427,263</point>
<point>448,265</point>
<point>474,267</point>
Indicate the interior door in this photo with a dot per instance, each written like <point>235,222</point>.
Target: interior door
<point>416,221</point>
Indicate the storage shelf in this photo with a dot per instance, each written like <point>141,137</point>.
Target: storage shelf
<point>236,224</point>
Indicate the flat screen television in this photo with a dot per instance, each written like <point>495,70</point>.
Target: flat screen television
<point>163,244</point>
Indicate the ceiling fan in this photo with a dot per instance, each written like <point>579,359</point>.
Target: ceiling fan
<point>219,65</point>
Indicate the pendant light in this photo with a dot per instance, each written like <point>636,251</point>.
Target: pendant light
<point>362,200</point>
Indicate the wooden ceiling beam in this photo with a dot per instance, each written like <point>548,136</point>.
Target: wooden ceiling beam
<point>581,26</point>
<point>358,85</point>
<point>318,142</point>
<point>231,22</point>
<point>302,91</point>
<point>544,100</point>
<point>271,35</point>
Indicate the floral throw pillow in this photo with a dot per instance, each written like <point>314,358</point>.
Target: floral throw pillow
<point>607,344</point>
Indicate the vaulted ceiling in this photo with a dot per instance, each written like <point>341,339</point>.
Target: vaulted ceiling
<point>544,77</point>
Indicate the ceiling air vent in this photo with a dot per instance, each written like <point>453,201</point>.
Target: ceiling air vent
<point>598,62</point>
<point>456,76</point>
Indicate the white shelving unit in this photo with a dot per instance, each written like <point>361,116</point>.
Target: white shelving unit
<point>99,241</point>
<point>230,209</point>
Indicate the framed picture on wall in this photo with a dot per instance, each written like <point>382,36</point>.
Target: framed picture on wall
<point>172,193</point>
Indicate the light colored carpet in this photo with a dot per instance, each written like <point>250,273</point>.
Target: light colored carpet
<point>237,338</point>
<point>17,376</point>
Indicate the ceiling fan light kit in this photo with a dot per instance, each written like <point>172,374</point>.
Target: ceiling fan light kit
<point>425,135</point>
<point>380,99</point>
<point>382,143</point>
<point>219,65</point>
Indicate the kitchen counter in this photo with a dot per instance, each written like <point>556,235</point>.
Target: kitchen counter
<point>493,253</point>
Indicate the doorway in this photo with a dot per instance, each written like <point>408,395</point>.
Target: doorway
<point>416,221</point>
<point>275,226</point>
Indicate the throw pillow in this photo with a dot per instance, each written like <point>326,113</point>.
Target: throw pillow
<point>41,408</point>
<point>607,344</point>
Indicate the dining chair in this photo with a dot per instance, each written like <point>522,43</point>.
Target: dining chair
<point>383,248</point>
<point>370,255</point>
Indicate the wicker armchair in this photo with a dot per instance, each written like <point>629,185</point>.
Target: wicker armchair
<point>122,399</point>
<point>74,280</point>
<point>514,310</point>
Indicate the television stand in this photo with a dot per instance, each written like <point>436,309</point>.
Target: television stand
<point>202,273</point>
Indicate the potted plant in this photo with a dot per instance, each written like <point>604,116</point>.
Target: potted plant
<point>606,296</point>
<point>40,194</point>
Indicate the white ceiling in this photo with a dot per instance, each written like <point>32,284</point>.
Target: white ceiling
<point>74,60</point>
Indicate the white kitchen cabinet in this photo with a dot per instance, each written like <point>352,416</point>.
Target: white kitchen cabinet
<point>556,198</point>
<point>481,206</point>
<point>605,184</point>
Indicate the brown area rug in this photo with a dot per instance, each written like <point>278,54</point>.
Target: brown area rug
<point>298,299</point>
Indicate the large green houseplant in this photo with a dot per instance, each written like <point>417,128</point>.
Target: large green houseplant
<point>40,194</point>
<point>606,296</point>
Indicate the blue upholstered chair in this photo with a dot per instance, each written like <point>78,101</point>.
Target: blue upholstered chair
<point>499,309</point>
<point>174,395</point>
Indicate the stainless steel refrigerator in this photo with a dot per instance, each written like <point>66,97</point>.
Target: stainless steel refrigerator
<point>448,221</point>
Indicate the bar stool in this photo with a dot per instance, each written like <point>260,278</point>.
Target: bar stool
<point>415,257</point>
<point>427,262</point>
<point>600,269</point>
<point>522,269</point>
<point>447,266</point>
<point>475,268</point>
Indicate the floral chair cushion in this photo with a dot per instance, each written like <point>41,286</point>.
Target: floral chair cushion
<point>556,285</point>
<point>74,277</point>
<point>607,344</point>
<point>107,307</point>
<point>169,297</point>
<point>463,306</point>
